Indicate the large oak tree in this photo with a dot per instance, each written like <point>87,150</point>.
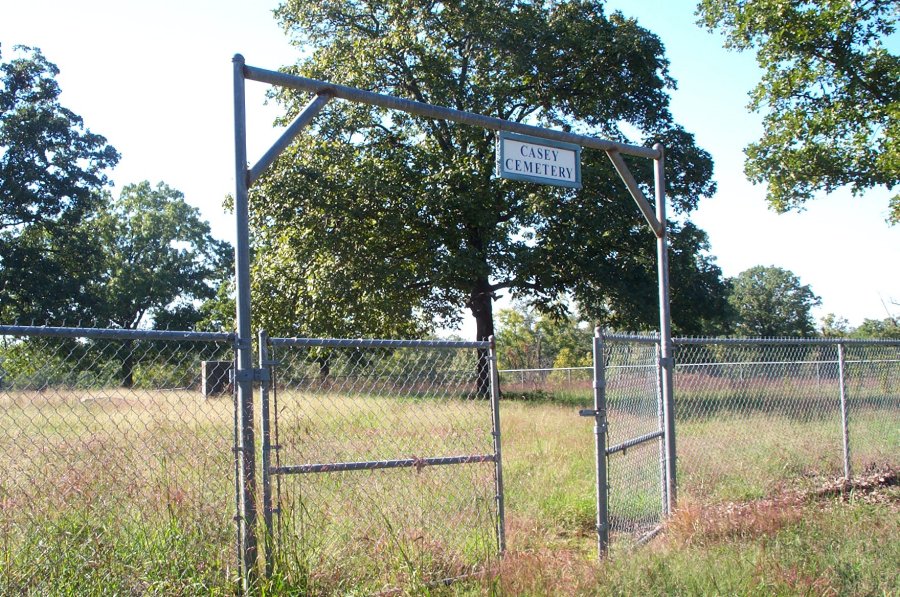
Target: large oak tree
<point>376,221</point>
<point>52,170</point>
<point>771,302</point>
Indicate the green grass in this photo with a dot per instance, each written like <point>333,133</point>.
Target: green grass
<point>132,493</point>
<point>812,547</point>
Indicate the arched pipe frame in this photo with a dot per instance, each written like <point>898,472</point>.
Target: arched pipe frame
<point>323,92</point>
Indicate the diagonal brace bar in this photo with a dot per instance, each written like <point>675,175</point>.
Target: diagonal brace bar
<point>305,117</point>
<point>616,158</point>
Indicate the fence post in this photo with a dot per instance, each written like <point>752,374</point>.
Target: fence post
<point>661,424</point>
<point>268,510</point>
<point>600,437</point>
<point>665,327</point>
<point>495,431</point>
<point>845,420</point>
<point>244,370</point>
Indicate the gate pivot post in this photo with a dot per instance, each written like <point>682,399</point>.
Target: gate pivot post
<point>264,376</point>
<point>599,411</point>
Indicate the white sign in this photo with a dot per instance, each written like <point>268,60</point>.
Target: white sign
<point>520,157</point>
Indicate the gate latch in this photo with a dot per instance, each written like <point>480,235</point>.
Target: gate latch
<point>587,412</point>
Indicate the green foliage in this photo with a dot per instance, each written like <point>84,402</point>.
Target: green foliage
<point>888,328</point>
<point>838,327</point>
<point>771,302</point>
<point>51,172</point>
<point>398,219</point>
<point>699,295</point>
<point>528,340</point>
<point>159,258</point>
<point>830,94</point>
<point>834,326</point>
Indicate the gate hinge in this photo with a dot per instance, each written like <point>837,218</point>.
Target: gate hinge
<point>587,412</point>
<point>261,375</point>
<point>666,362</point>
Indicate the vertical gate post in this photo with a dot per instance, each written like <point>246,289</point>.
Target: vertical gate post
<point>661,426</point>
<point>665,328</point>
<point>244,370</point>
<point>845,420</point>
<point>600,437</point>
<point>495,431</point>
<point>268,510</point>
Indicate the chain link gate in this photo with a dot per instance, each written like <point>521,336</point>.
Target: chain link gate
<point>630,438</point>
<point>359,438</point>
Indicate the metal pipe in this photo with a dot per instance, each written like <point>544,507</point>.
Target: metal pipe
<point>845,415</point>
<point>782,341</point>
<point>665,329</point>
<point>438,112</point>
<point>305,117</point>
<point>264,362</point>
<point>600,445</point>
<point>238,512</point>
<point>495,432</point>
<point>638,338</point>
<point>337,467</point>
<point>661,448</point>
<point>114,334</point>
<point>243,381</point>
<point>635,441</point>
<point>631,184</point>
<point>375,343</point>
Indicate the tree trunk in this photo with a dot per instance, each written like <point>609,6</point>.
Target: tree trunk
<point>481,305</point>
<point>324,363</point>
<point>126,372</point>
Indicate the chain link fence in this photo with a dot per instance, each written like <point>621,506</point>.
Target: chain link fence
<point>118,473</point>
<point>873,403</point>
<point>752,415</point>
<point>384,463</point>
<point>755,414</point>
<point>635,452</point>
<point>567,384</point>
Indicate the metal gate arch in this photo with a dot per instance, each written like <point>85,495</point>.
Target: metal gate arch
<point>323,92</point>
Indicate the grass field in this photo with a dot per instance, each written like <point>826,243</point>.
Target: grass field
<point>115,492</point>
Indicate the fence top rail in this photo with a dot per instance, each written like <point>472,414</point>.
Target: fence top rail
<point>376,343</point>
<point>114,334</point>
<point>551,369</point>
<point>789,341</point>
<point>438,112</point>
<point>626,337</point>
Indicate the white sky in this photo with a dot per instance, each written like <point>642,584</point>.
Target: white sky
<point>155,78</point>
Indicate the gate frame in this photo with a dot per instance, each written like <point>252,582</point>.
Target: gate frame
<point>604,451</point>
<point>324,92</point>
<point>269,422</point>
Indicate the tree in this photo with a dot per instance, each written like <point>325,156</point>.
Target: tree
<point>886,329</point>
<point>834,326</point>
<point>830,94</point>
<point>159,261</point>
<point>771,302</point>
<point>160,258</point>
<point>51,174</point>
<point>528,340</point>
<point>407,213</point>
